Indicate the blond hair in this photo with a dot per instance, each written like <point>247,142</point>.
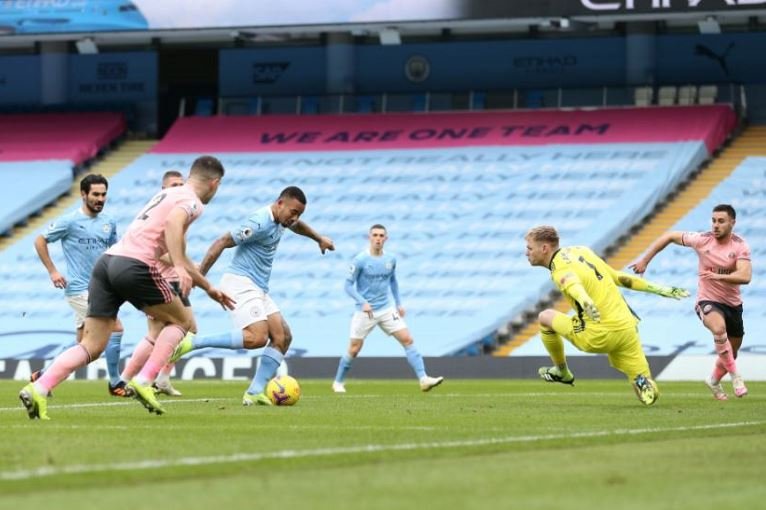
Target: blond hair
<point>543,234</point>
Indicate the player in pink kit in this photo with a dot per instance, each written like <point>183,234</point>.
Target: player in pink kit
<point>143,350</point>
<point>724,265</point>
<point>128,272</point>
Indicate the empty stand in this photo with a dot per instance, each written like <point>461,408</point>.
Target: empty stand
<point>38,153</point>
<point>69,136</point>
<point>670,327</point>
<point>456,208</point>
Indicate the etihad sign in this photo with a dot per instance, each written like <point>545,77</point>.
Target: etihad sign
<point>609,5</point>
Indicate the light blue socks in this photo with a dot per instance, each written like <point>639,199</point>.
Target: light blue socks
<point>229,340</point>
<point>415,360</point>
<point>343,367</point>
<point>270,361</point>
<point>112,355</point>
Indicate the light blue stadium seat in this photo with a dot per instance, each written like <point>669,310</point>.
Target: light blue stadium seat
<point>29,187</point>
<point>456,220</point>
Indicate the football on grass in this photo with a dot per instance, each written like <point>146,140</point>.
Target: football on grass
<point>283,390</point>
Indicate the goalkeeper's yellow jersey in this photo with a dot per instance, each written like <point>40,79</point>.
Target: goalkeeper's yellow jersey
<point>573,264</point>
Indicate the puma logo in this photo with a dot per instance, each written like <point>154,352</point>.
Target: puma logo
<point>704,51</point>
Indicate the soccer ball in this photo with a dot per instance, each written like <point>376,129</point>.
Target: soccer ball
<point>283,390</point>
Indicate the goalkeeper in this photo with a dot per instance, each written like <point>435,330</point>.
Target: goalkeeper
<point>604,323</point>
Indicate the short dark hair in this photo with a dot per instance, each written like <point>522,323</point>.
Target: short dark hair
<point>207,167</point>
<point>727,209</point>
<point>293,192</point>
<point>172,173</point>
<point>90,180</point>
<point>377,225</point>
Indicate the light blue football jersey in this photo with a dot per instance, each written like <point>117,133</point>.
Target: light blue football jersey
<point>83,240</point>
<point>370,278</point>
<point>257,240</point>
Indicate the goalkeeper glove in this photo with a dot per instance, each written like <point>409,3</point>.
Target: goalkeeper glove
<point>589,307</point>
<point>670,292</point>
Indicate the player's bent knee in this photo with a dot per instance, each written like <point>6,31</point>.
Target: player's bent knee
<point>250,341</point>
<point>546,317</point>
<point>354,347</point>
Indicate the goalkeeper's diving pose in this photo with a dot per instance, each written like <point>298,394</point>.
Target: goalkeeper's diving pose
<point>604,323</point>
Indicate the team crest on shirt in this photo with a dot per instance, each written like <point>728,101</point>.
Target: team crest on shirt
<point>389,266</point>
<point>245,233</point>
<point>351,269</point>
<point>732,255</point>
<point>106,228</point>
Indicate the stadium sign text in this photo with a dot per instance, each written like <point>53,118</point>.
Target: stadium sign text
<point>631,5</point>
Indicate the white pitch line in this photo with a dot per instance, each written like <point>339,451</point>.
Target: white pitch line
<point>702,395</point>
<point>126,402</point>
<point>41,472</point>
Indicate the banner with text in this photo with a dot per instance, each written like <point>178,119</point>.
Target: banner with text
<point>112,77</point>
<point>277,133</point>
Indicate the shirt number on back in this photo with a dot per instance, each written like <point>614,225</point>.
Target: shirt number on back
<point>151,205</point>
<point>598,275</point>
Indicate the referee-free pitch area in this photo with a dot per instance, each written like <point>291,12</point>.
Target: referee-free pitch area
<point>467,444</point>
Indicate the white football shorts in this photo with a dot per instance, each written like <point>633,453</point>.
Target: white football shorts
<point>388,319</point>
<point>253,305</point>
<point>79,303</point>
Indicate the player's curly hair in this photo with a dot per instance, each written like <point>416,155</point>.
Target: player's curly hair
<point>91,179</point>
<point>543,234</point>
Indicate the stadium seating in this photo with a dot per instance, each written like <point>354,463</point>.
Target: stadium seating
<point>38,153</point>
<point>456,209</point>
<point>671,327</point>
<point>70,136</point>
<point>34,185</point>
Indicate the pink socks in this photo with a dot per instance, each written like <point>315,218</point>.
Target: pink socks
<point>64,364</point>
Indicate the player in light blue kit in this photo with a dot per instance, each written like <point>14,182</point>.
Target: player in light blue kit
<point>85,234</point>
<point>256,317</point>
<point>371,275</point>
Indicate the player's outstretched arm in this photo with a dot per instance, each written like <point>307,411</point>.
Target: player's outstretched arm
<point>302,228</point>
<point>570,284</point>
<point>640,265</point>
<point>215,250</point>
<point>41,247</point>
<point>633,282</point>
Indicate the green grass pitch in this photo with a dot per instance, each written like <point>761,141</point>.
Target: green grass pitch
<point>481,444</point>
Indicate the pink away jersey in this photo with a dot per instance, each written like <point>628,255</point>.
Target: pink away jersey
<point>167,271</point>
<point>719,258</point>
<point>145,238</point>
